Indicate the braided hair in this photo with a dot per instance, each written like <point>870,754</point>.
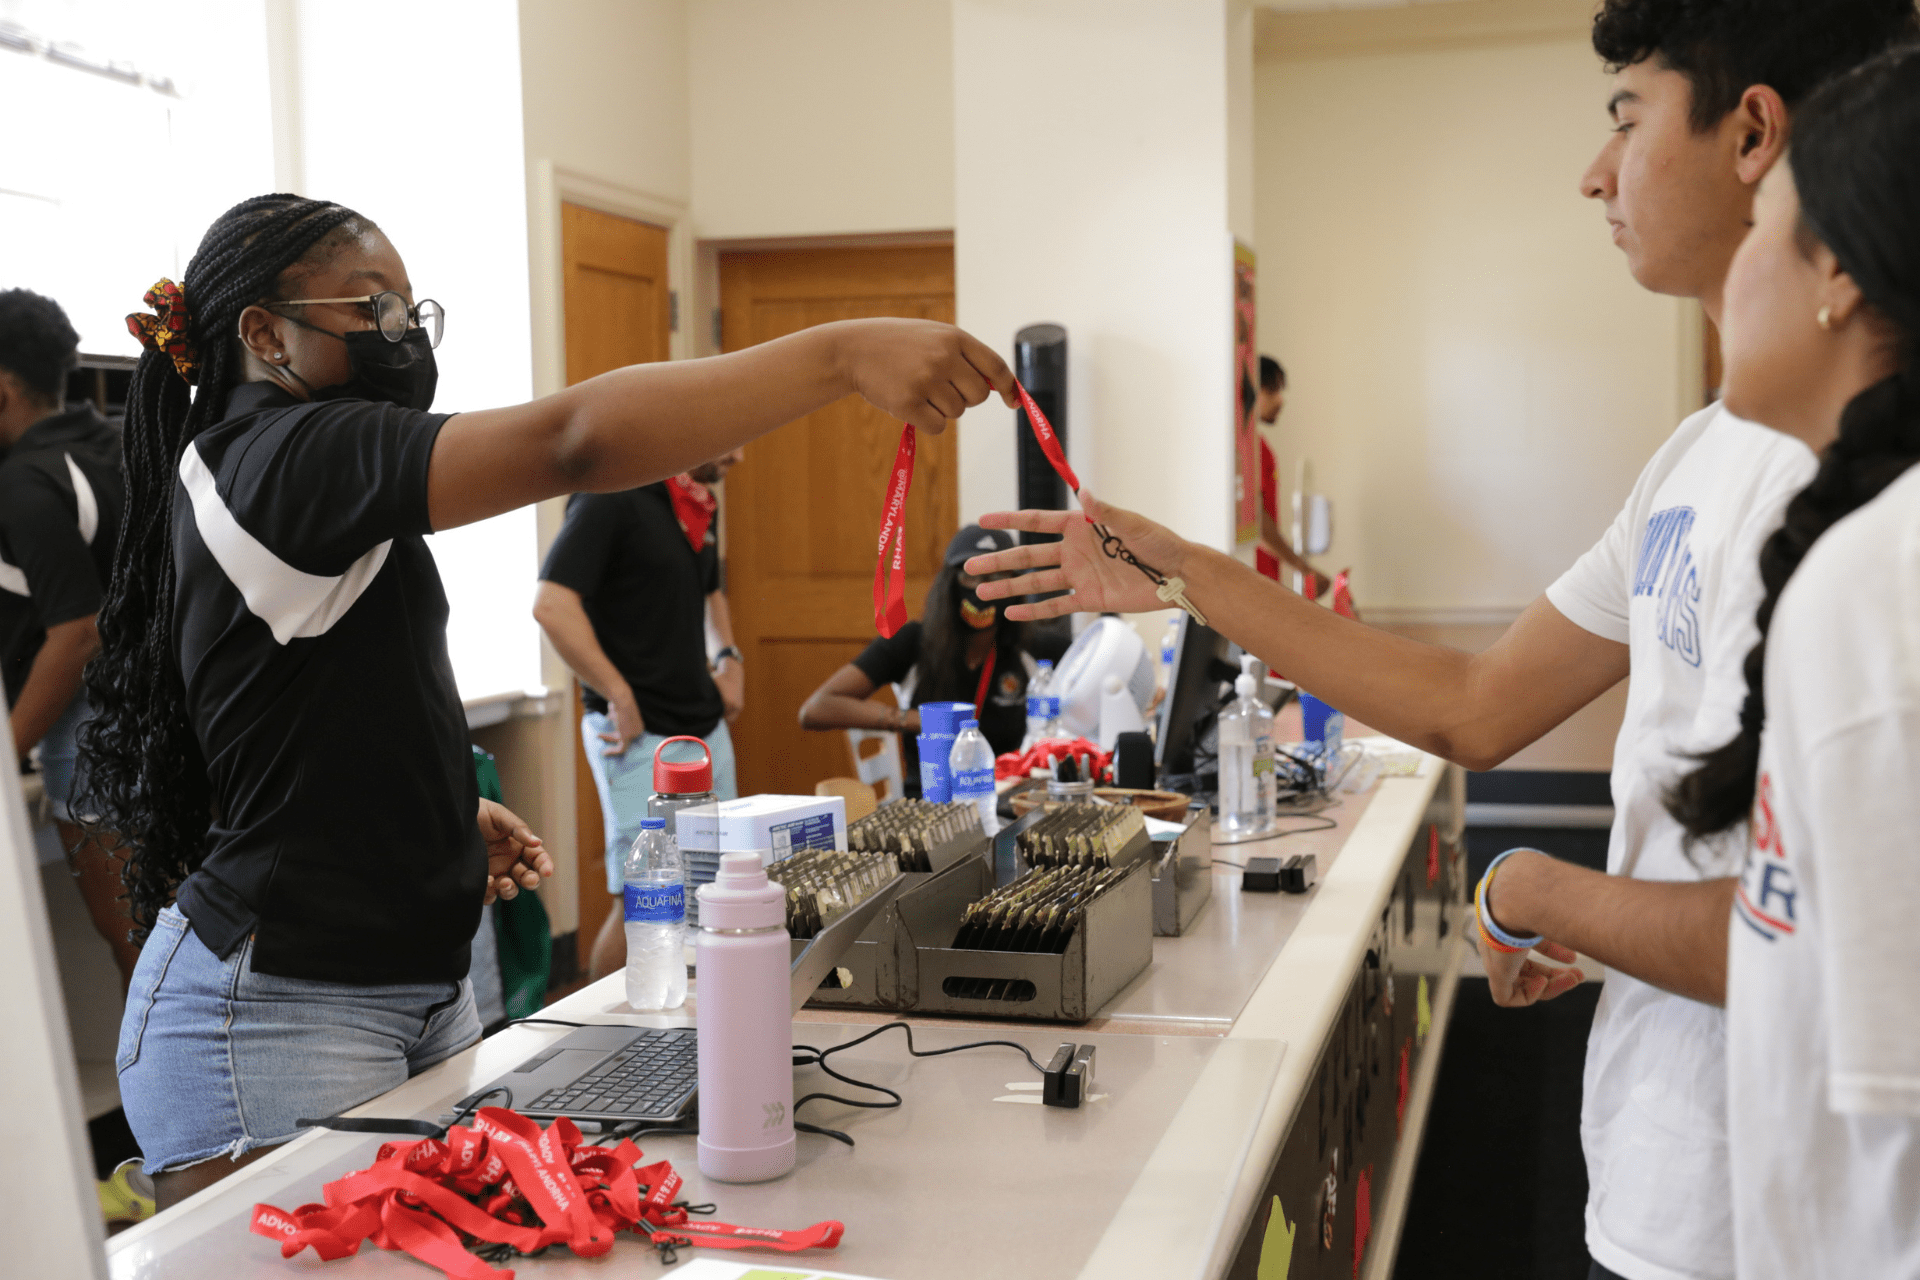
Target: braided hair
<point>144,778</point>
<point>1853,149</point>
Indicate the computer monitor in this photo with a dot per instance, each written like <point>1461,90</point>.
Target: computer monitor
<point>1201,662</point>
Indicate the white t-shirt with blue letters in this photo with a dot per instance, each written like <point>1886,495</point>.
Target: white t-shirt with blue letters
<point>1675,578</point>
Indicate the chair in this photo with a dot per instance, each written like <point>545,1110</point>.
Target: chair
<point>882,765</point>
<point>859,796</point>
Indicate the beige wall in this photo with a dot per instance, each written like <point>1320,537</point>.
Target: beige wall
<point>826,118</point>
<point>1115,222</point>
<point>1475,377</point>
<point>606,122</point>
<point>605,84</point>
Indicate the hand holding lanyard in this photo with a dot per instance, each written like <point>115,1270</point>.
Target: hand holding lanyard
<point>889,571</point>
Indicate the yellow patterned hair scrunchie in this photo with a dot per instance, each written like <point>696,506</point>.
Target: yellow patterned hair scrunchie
<point>166,329</point>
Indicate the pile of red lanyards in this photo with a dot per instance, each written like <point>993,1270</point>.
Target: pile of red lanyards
<point>506,1181</point>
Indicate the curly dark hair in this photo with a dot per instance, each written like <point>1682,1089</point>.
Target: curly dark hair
<point>37,344</point>
<point>144,779</point>
<point>1853,153</point>
<point>1724,47</point>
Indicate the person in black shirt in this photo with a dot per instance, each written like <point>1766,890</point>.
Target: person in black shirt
<point>962,650</point>
<point>277,731</point>
<point>61,497</point>
<point>625,595</point>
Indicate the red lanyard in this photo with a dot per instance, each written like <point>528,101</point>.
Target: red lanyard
<point>508,1182</point>
<point>889,571</point>
<point>986,677</point>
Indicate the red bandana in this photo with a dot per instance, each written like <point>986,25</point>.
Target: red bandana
<point>694,505</point>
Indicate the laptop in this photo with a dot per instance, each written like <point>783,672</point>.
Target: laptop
<point>616,1074</point>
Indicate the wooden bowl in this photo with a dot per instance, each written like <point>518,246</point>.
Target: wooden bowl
<point>1168,806</point>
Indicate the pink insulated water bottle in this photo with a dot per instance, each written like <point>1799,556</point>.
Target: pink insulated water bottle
<point>745,1015</point>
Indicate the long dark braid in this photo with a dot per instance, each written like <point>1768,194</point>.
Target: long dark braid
<point>144,777</point>
<point>1853,155</point>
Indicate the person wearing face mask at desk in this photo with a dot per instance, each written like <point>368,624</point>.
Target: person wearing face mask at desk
<point>963,649</point>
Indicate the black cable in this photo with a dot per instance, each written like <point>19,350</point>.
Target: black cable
<point>820,1056</point>
<point>473,1104</point>
<point>621,1131</point>
<point>801,1126</point>
<point>1326,824</point>
<point>1222,862</point>
<point>556,1022</point>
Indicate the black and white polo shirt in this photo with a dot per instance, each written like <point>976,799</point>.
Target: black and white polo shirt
<point>61,496</point>
<point>310,625</point>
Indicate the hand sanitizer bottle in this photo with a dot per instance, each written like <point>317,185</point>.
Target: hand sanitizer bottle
<point>1246,758</point>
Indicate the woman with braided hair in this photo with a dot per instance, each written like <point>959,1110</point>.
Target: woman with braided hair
<point>279,740</point>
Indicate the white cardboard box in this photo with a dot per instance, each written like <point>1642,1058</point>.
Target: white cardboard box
<point>772,826</point>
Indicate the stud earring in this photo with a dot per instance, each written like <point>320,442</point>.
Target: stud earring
<point>281,355</point>
<point>1825,318</point>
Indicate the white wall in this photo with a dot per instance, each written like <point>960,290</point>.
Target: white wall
<point>1092,149</point>
<point>81,223</point>
<point>831,117</point>
<point>1474,375</point>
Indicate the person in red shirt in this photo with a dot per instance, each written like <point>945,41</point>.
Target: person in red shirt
<point>1273,549</point>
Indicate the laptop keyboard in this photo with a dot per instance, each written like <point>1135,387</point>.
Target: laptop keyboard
<point>654,1076</point>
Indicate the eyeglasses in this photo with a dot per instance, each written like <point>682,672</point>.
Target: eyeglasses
<point>392,311</point>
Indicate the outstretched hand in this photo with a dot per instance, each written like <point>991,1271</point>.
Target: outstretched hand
<point>516,859</point>
<point>1099,582</point>
<point>1518,980</point>
<point>922,371</point>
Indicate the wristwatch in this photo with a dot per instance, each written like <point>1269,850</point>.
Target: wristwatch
<point>731,651</point>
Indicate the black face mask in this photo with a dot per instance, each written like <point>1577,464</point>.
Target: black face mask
<point>976,613</point>
<point>401,373</point>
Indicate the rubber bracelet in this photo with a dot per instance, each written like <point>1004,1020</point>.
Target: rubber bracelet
<point>1487,940</point>
<point>1511,942</point>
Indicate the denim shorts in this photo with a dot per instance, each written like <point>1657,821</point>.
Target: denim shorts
<point>59,756</point>
<point>625,782</point>
<point>216,1060</point>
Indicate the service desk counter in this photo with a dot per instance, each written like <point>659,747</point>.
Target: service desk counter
<point>1261,1087</point>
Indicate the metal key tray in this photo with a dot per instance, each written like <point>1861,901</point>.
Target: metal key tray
<point>1110,948</point>
<point>881,970</point>
<point>1182,875</point>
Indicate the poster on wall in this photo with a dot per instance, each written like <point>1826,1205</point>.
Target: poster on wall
<point>1246,386</point>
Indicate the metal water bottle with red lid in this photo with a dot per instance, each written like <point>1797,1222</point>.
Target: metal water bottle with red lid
<point>745,1016</point>
<point>682,784</point>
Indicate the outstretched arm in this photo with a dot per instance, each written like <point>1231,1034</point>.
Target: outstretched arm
<point>1473,709</point>
<point>649,421</point>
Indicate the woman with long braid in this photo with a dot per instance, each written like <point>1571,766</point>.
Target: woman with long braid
<point>1815,949</point>
<point>279,739</point>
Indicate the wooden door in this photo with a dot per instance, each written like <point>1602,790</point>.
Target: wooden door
<point>802,511</point>
<point>618,312</point>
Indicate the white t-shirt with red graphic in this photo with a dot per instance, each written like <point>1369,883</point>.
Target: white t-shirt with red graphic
<point>1823,986</point>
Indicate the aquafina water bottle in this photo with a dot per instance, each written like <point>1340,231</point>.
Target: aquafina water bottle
<point>656,905</point>
<point>1037,689</point>
<point>972,771</point>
